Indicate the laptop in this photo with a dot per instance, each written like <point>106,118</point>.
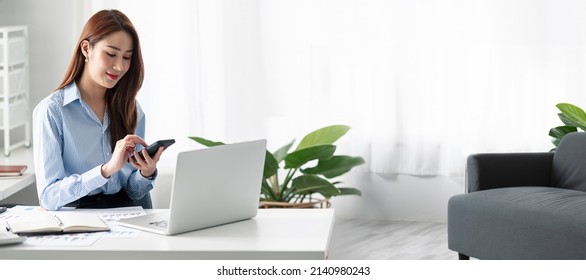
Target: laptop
<point>211,187</point>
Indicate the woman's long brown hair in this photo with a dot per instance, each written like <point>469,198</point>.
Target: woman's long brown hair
<point>121,101</point>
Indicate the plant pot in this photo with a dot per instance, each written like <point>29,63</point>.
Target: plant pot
<point>314,203</point>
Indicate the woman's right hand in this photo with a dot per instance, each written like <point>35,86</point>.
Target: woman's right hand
<point>122,151</point>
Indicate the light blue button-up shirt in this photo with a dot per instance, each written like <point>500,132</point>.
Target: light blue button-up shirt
<point>70,145</point>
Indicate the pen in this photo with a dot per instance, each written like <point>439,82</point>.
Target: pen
<point>58,220</point>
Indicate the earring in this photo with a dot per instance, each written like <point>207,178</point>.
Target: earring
<point>86,59</point>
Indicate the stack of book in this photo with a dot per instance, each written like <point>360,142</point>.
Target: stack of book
<point>12,170</point>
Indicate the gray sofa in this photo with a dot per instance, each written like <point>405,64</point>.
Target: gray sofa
<point>523,205</point>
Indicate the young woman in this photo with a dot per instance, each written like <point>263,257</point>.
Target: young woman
<point>85,131</point>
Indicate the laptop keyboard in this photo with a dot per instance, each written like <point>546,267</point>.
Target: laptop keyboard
<point>162,224</point>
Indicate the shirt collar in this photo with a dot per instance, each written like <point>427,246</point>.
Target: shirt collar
<point>70,93</point>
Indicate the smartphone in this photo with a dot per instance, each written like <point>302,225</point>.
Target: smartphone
<point>154,147</point>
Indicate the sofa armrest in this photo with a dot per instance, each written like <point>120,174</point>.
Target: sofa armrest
<point>489,171</point>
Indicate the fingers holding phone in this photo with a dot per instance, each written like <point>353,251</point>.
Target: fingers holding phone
<point>146,159</point>
<point>157,156</point>
<point>153,148</point>
<point>121,154</point>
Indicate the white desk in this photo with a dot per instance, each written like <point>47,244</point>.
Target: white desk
<point>11,185</point>
<point>272,234</point>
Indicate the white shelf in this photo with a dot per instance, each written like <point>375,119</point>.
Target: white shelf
<point>14,86</point>
<point>17,82</point>
<point>18,114</point>
<point>17,54</point>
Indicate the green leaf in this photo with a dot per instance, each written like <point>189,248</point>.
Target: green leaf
<point>323,136</point>
<point>308,184</point>
<point>335,166</point>
<point>271,166</point>
<point>574,114</point>
<point>298,158</point>
<point>350,191</point>
<point>281,153</point>
<point>205,142</point>
<point>561,131</point>
<point>566,120</point>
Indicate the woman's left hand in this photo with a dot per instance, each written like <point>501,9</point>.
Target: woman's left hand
<point>148,165</point>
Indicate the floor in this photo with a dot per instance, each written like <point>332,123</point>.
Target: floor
<point>357,239</point>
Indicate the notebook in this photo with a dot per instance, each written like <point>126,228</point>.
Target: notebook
<point>53,222</point>
<point>211,187</point>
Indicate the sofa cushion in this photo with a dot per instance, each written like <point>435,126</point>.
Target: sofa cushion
<point>519,223</point>
<point>569,163</point>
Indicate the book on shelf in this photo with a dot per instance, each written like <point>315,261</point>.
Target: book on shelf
<point>12,170</point>
<point>56,222</point>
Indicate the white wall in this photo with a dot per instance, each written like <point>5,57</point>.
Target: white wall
<point>398,197</point>
<point>54,27</point>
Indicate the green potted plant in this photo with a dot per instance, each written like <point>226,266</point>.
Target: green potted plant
<point>573,118</point>
<point>301,181</point>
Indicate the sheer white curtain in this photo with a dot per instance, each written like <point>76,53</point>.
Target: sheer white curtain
<point>422,83</point>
